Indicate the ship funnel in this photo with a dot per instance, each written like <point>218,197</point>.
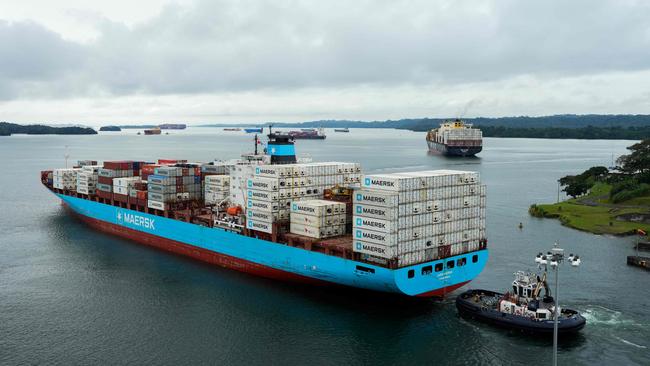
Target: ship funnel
<point>281,149</point>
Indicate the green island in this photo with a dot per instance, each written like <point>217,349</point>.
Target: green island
<point>110,128</point>
<point>7,129</point>
<point>606,201</point>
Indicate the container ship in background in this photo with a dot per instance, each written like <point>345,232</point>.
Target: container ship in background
<point>308,134</point>
<point>153,131</point>
<point>418,233</point>
<point>455,138</point>
<point>173,126</point>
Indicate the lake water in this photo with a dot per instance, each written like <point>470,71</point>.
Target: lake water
<point>70,295</point>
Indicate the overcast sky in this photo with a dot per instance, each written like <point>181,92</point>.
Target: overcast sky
<point>233,61</point>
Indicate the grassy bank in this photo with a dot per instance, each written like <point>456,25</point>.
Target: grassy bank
<point>596,214</point>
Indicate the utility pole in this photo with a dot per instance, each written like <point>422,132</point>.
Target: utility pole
<point>554,258</point>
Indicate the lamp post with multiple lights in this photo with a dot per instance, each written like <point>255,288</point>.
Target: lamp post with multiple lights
<point>554,258</point>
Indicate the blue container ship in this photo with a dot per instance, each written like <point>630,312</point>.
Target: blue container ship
<point>221,233</point>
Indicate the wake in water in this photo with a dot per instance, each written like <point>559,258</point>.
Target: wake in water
<point>600,316</point>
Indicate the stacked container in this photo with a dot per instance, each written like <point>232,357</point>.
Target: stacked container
<point>114,169</point>
<point>271,189</point>
<point>318,218</point>
<point>122,187</point>
<point>418,217</point>
<point>216,188</point>
<point>172,184</point>
<point>87,179</point>
<point>65,179</point>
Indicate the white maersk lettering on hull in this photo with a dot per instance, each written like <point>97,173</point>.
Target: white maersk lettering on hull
<point>136,220</point>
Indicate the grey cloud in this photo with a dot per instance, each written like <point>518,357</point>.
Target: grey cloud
<point>217,46</point>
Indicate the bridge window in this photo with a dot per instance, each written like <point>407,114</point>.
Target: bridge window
<point>450,264</point>
<point>365,269</point>
<point>411,273</point>
<point>474,258</point>
<point>427,270</point>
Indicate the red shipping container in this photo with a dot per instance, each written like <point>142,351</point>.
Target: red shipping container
<point>105,180</point>
<point>119,165</point>
<point>121,198</point>
<point>142,195</point>
<point>171,161</point>
<point>105,195</point>
<point>149,168</point>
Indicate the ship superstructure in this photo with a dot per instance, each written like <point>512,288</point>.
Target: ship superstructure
<point>455,138</point>
<point>418,233</point>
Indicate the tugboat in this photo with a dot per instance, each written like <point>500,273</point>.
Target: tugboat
<point>520,310</point>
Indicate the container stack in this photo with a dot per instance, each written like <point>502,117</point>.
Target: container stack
<point>418,217</point>
<point>173,184</point>
<point>83,163</point>
<point>111,170</point>
<point>272,188</point>
<point>122,188</point>
<point>65,179</point>
<point>318,218</point>
<point>87,179</point>
<point>216,188</point>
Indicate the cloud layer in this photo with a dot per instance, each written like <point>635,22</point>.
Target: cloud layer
<point>235,49</point>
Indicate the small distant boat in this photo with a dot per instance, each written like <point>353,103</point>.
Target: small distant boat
<point>153,131</point>
<point>345,129</point>
<point>254,130</point>
<point>232,129</point>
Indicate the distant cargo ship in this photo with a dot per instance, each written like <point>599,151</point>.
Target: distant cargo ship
<point>308,134</point>
<point>153,131</point>
<point>417,234</point>
<point>173,126</point>
<point>342,129</point>
<point>232,129</point>
<point>455,138</point>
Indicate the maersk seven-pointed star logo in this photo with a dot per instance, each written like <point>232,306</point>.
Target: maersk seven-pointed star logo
<point>272,150</point>
<point>119,216</point>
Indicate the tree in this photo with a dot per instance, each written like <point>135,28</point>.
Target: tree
<point>575,185</point>
<point>637,162</point>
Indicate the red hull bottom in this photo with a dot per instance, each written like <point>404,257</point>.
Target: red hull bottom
<point>201,254</point>
<point>222,260</point>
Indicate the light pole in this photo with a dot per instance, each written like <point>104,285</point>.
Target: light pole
<point>554,258</point>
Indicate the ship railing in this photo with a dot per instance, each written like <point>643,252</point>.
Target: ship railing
<point>228,225</point>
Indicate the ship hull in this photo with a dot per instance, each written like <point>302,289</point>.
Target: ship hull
<point>272,260</point>
<point>453,150</point>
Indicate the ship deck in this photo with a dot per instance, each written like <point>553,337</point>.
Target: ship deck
<point>195,212</point>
